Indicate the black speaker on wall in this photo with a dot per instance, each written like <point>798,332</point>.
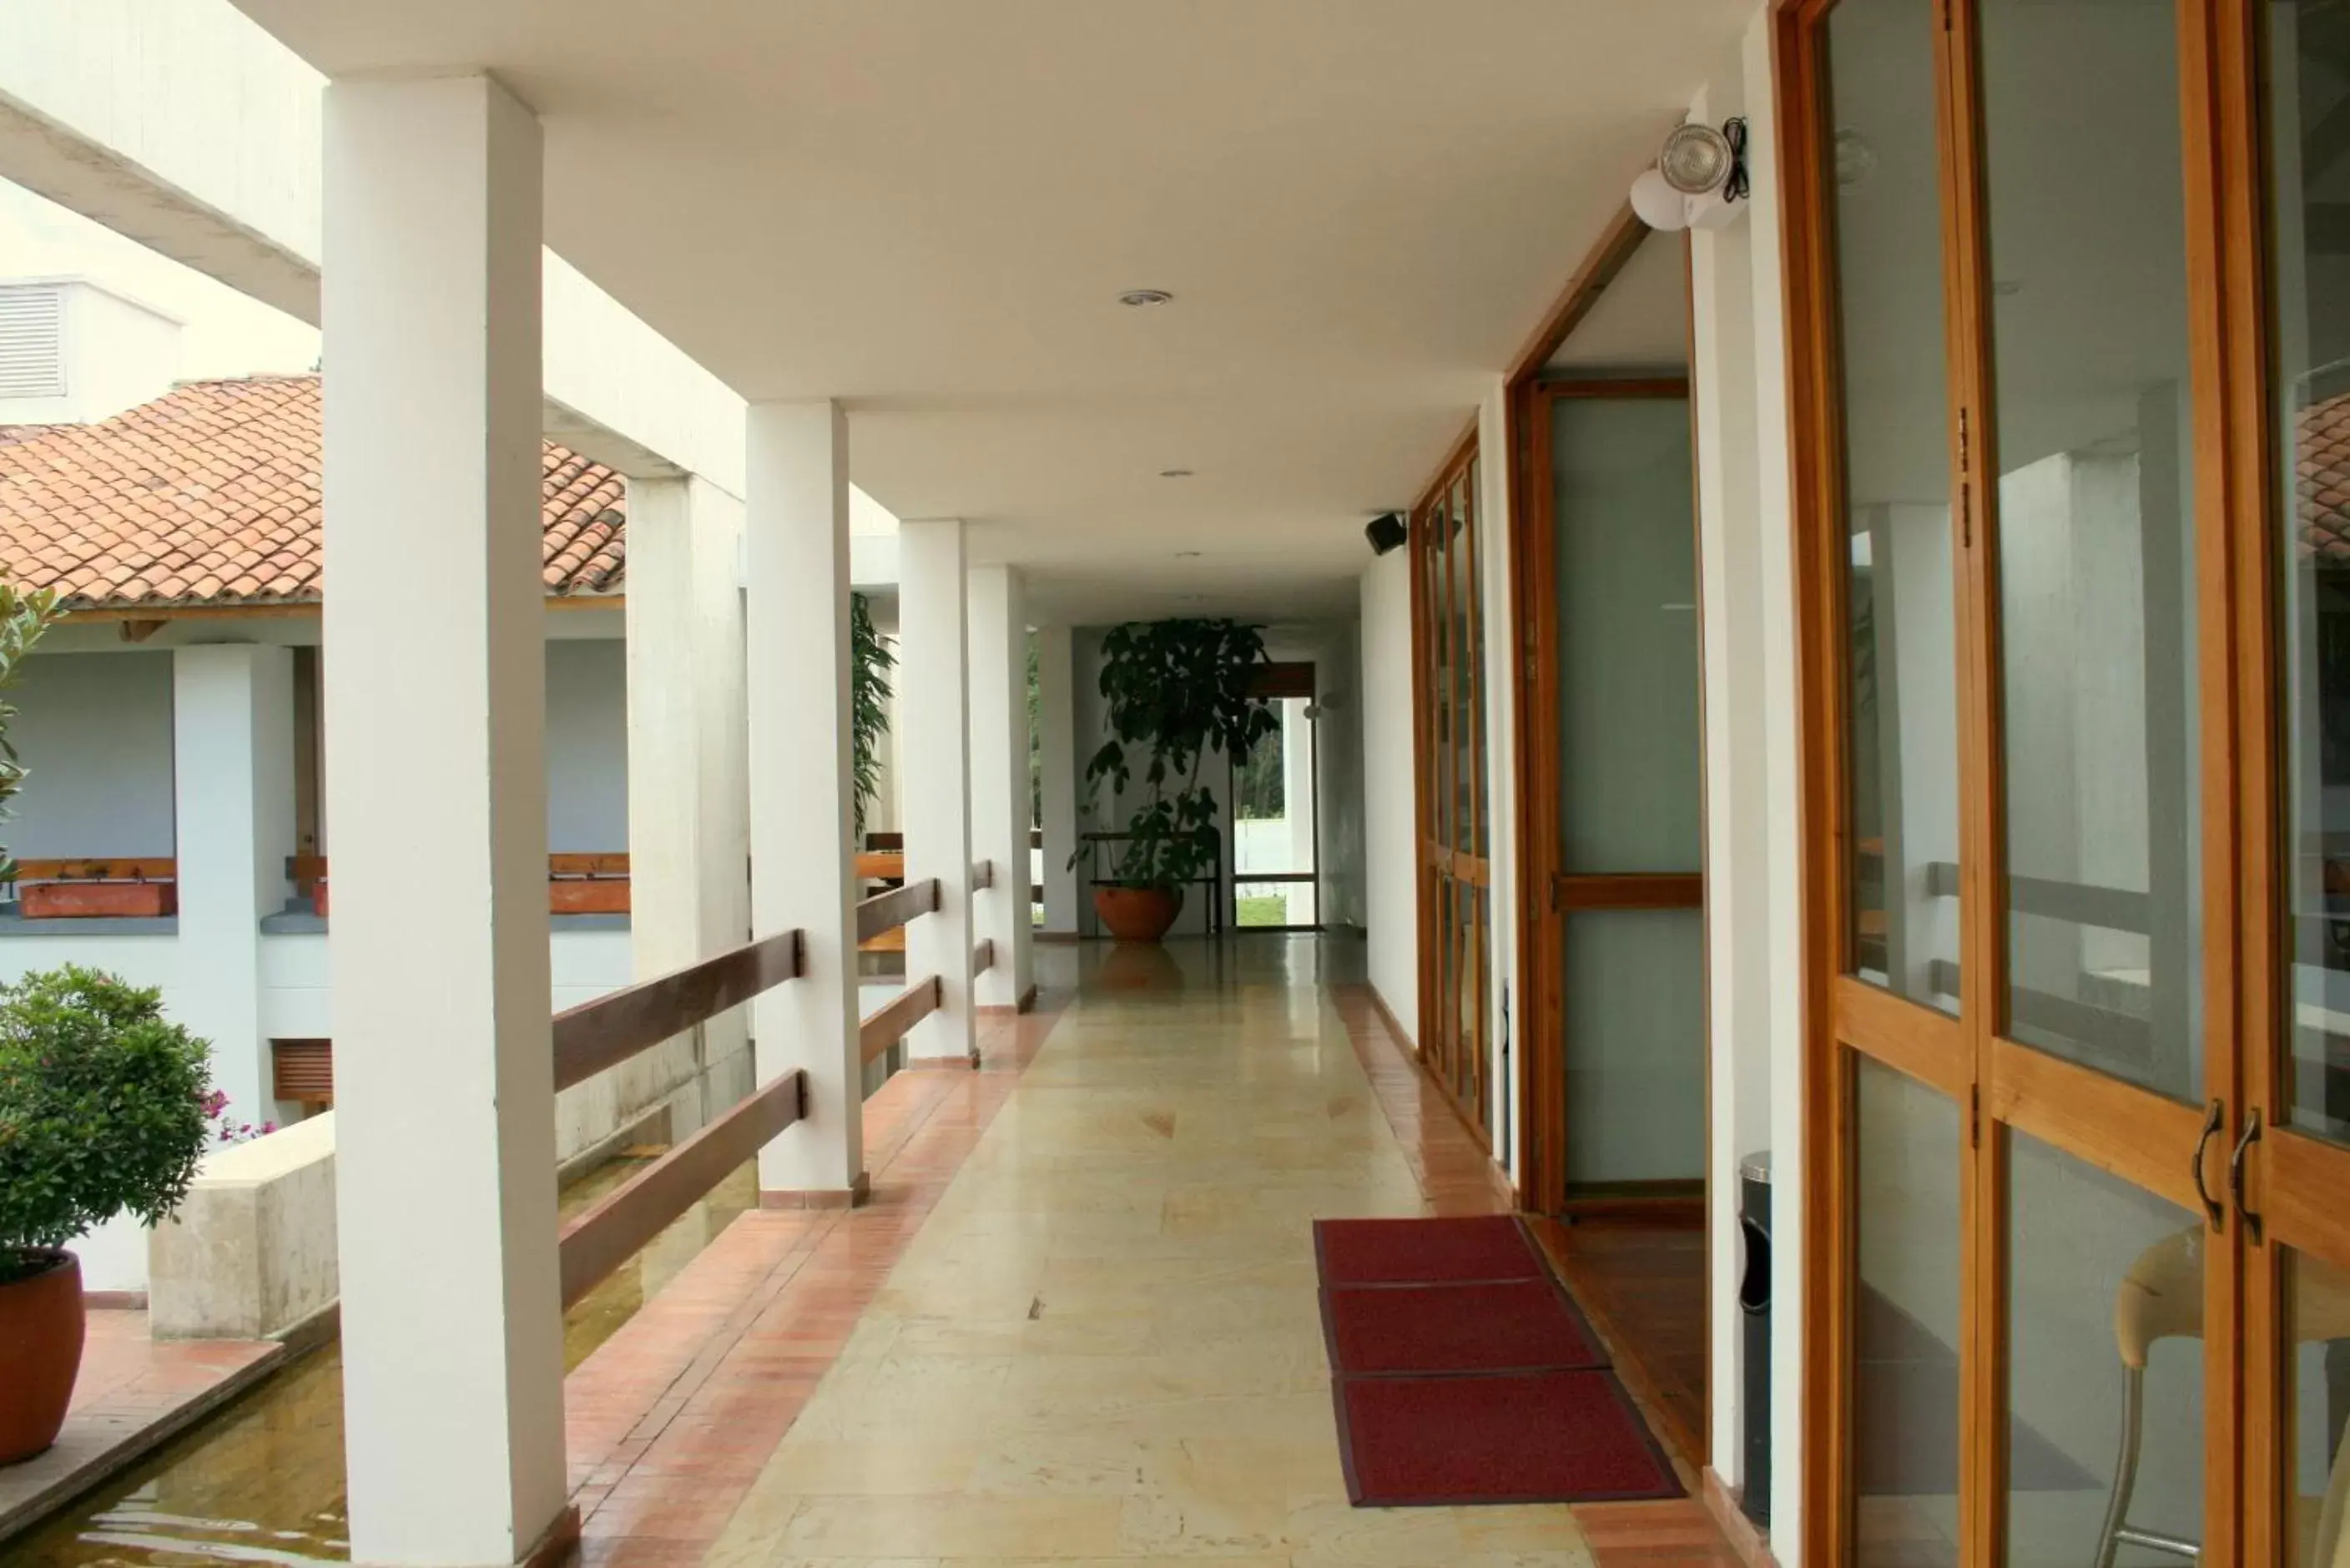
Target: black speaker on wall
<point>1387,531</point>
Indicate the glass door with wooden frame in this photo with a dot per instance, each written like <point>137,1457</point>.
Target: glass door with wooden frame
<point>2020,802</point>
<point>1618,1090</point>
<point>2295,1144</point>
<point>1454,836</point>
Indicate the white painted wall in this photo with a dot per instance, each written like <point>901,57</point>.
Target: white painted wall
<point>1390,899</point>
<point>586,746</point>
<point>113,352</point>
<point>1752,741</point>
<point>1058,763</point>
<point>95,732</point>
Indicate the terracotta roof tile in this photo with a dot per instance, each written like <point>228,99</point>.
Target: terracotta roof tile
<point>210,495</point>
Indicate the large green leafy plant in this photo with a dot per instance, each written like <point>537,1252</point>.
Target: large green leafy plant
<point>1174,691</point>
<point>869,663</point>
<point>24,616</point>
<point>102,1110</point>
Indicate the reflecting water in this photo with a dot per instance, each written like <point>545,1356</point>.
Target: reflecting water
<point>262,1481</point>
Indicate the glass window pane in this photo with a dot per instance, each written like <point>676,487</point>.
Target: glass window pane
<point>1635,1040</point>
<point>2105,1322</point>
<point>1630,767</point>
<point>1901,578</point>
<point>2317,1394</point>
<point>2310,92</point>
<point>1906,1324</point>
<point>1482,840</point>
<point>2091,406</point>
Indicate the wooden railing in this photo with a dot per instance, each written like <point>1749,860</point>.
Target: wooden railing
<point>887,1025</point>
<point>982,955</point>
<point>614,1027</point>
<point>596,1035</point>
<point>887,911</point>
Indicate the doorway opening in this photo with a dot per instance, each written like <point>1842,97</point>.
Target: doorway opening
<point>1276,818</point>
<point>1613,1068</point>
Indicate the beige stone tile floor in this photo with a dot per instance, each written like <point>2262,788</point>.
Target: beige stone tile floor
<point>1104,1346</point>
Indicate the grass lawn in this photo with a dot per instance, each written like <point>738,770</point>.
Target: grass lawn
<point>1270,910</point>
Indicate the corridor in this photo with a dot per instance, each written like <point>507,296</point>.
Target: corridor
<point>1103,1343</point>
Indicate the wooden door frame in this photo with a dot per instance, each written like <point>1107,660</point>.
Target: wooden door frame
<point>1534,649</point>
<point>1972,1059</point>
<point>1439,1018</point>
<point>1547,892</point>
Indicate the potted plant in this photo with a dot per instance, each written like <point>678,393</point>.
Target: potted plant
<point>1174,691</point>
<point>102,1111</point>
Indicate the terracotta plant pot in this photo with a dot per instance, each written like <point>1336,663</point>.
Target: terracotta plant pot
<point>96,900</point>
<point>1138,914</point>
<point>40,1353</point>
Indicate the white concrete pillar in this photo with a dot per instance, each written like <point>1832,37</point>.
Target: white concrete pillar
<point>999,783</point>
<point>232,784</point>
<point>1057,760</point>
<point>452,1317</point>
<point>795,606</point>
<point>934,789</point>
<point>689,797</point>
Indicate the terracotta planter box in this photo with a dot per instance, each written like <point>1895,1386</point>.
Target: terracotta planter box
<point>98,900</point>
<point>594,896</point>
<point>40,1355</point>
<point>1138,914</point>
<point>571,895</point>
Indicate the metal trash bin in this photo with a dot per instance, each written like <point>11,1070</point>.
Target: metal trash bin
<point>1754,1312</point>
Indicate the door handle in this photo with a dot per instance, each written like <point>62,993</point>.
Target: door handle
<point>2236,1174</point>
<point>2213,1209</point>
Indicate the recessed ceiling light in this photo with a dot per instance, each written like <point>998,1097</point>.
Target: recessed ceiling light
<point>1139,297</point>
<point>1187,554</point>
<point>1174,473</point>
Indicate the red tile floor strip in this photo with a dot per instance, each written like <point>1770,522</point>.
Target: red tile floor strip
<point>670,1421</point>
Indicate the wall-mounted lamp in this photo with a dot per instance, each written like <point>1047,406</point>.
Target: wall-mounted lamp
<point>1698,181</point>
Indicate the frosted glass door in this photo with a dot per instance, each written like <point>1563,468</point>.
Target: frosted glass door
<point>1633,1019</point>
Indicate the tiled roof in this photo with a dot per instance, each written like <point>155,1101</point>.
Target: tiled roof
<point>209,495</point>
<point>2321,479</point>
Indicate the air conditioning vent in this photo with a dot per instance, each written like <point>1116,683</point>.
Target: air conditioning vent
<point>32,342</point>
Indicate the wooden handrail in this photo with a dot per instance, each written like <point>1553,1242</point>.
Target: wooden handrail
<point>982,955</point>
<point>618,1226</point>
<point>880,864</point>
<point>888,1024</point>
<point>982,874</point>
<point>887,911</point>
<point>614,1027</point>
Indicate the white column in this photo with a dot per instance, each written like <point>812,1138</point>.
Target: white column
<point>797,664</point>
<point>934,787</point>
<point>233,783</point>
<point>1057,760</point>
<point>999,781</point>
<point>687,795</point>
<point>435,693</point>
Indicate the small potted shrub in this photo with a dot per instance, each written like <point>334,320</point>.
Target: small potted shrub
<point>103,1111</point>
<point>1174,691</point>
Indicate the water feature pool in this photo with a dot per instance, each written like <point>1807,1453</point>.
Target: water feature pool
<point>261,1480</point>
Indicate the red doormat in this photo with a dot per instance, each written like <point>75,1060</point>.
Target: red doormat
<point>1544,1437</point>
<point>1519,1325</point>
<point>1461,1372</point>
<point>1424,1252</point>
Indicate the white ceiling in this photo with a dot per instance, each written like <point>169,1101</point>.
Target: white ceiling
<point>926,208</point>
